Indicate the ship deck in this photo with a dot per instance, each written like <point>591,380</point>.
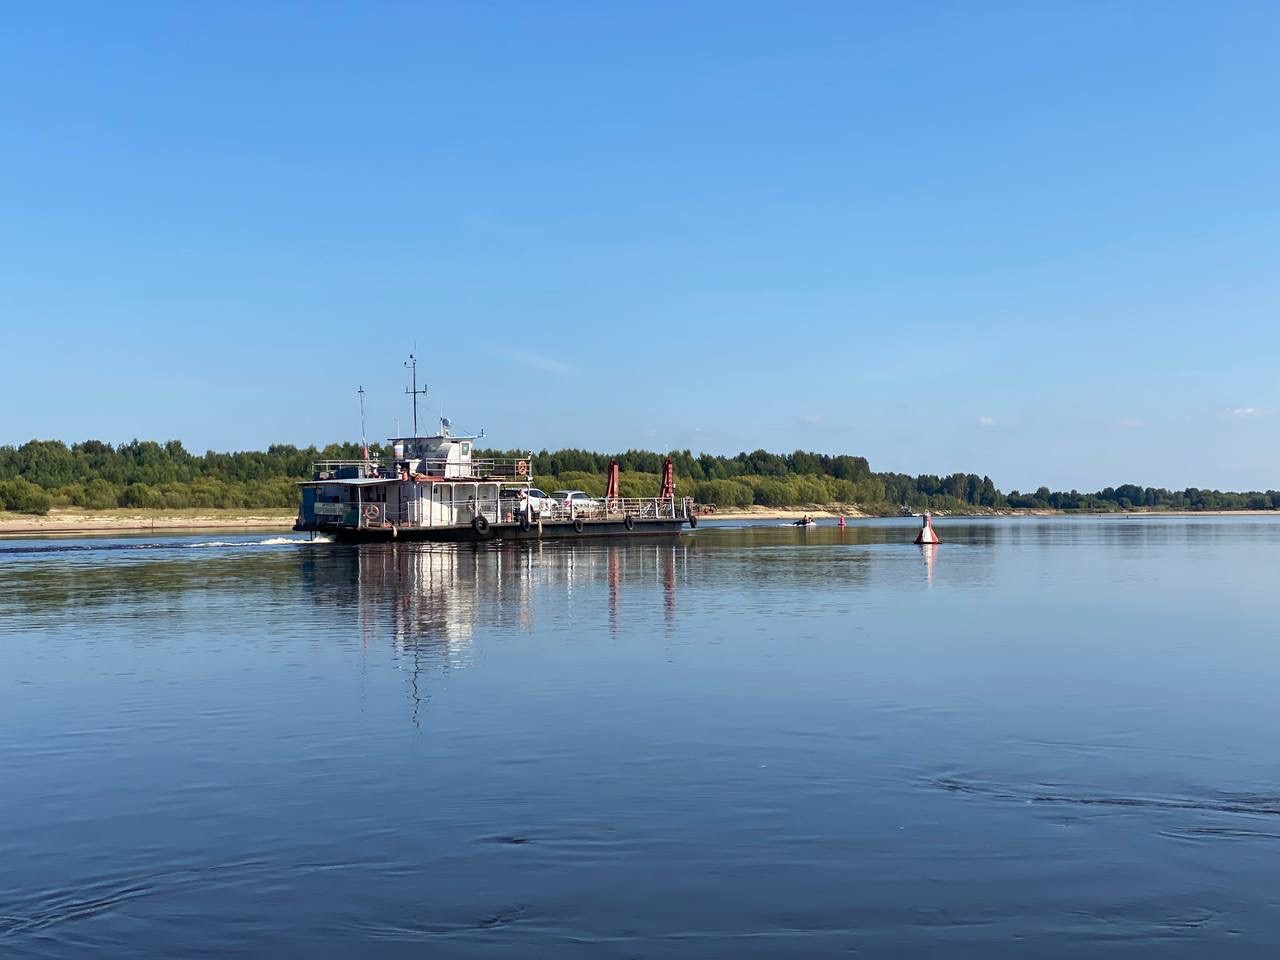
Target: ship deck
<point>467,533</point>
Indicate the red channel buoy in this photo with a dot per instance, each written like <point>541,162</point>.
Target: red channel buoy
<point>926,534</point>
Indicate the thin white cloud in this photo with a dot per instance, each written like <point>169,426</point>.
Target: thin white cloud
<point>812,419</point>
<point>543,363</point>
<point>986,421</point>
<point>1244,412</point>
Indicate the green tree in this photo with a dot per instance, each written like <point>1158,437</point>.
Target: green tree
<point>22,496</point>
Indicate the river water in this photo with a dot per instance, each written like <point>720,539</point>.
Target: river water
<point>1048,738</point>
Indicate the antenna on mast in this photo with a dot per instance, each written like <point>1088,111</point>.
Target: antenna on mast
<point>363,440</point>
<point>412,363</point>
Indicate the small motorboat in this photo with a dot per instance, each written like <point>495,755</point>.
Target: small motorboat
<point>804,522</point>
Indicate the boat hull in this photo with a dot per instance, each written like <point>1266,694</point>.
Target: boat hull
<point>551,530</point>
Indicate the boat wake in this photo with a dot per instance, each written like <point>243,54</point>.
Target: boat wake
<point>269,542</point>
<point>61,548</point>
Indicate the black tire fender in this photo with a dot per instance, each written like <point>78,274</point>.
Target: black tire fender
<point>480,525</point>
<point>629,522</point>
<point>693,520</point>
<point>577,525</point>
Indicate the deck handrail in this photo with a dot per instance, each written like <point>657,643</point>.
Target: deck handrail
<point>477,468</point>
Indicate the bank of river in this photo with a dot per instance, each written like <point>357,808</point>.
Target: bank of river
<point>128,521</point>
<point>85,522</point>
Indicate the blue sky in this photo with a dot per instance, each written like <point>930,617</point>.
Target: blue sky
<point>1038,241</point>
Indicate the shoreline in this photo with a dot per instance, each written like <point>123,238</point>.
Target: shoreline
<point>770,513</point>
<point>109,522</point>
<point>764,513</point>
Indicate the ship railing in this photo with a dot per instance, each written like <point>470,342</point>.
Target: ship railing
<point>618,508</point>
<point>506,468</point>
<point>498,468</point>
<point>426,513</point>
<point>373,467</point>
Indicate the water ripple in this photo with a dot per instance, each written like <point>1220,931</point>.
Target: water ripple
<point>92,899</point>
<point>1255,804</point>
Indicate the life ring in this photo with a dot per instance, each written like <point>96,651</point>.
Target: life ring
<point>577,525</point>
<point>629,522</point>
<point>480,524</point>
<point>522,468</point>
<point>371,512</point>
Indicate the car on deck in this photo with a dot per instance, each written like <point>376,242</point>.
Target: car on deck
<point>538,500</point>
<point>577,499</point>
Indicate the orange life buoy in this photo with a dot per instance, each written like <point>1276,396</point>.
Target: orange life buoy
<point>522,468</point>
<point>371,512</point>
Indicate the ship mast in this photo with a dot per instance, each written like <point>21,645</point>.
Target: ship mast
<point>363,441</point>
<point>412,363</point>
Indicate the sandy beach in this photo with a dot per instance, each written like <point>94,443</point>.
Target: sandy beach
<point>772,513</point>
<point>81,522</point>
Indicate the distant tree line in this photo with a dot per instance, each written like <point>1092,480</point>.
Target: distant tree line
<point>93,475</point>
<point>43,474</point>
<point>1131,497</point>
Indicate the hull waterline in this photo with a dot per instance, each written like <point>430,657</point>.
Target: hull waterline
<point>554,530</point>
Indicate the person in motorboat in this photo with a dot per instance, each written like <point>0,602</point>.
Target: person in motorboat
<point>804,521</point>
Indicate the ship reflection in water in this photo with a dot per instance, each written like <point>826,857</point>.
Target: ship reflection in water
<point>430,600</point>
<point>439,594</point>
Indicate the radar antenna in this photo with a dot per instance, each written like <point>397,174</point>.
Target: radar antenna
<point>412,363</point>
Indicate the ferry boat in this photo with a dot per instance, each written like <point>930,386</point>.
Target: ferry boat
<point>434,488</point>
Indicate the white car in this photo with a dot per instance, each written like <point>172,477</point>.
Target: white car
<point>538,501</point>
<point>578,499</point>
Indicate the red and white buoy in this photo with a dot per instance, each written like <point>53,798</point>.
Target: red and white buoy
<point>926,535</point>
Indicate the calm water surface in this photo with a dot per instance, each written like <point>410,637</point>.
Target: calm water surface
<point>1049,738</point>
